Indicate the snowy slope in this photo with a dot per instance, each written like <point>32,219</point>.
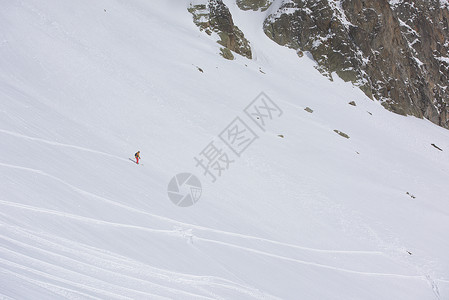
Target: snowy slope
<point>84,85</point>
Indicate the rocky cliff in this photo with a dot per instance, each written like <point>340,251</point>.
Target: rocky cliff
<point>214,16</point>
<point>396,51</point>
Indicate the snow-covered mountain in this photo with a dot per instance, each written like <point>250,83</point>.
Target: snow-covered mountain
<point>396,51</point>
<point>337,201</point>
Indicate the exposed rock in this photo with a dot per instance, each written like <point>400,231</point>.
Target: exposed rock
<point>411,195</point>
<point>281,135</point>
<point>308,109</point>
<point>352,103</point>
<point>396,53</point>
<point>342,133</point>
<point>226,53</point>
<point>214,16</point>
<point>201,16</point>
<point>424,24</point>
<point>437,147</point>
<point>254,4</point>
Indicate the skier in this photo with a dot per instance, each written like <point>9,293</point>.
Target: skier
<point>137,156</point>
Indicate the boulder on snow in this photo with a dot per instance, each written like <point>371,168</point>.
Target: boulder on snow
<point>437,147</point>
<point>411,195</point>
<point>308,109</point>
<point>341,133</point>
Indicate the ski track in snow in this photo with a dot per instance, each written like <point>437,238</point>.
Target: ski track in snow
<point>88,260</point>
<point>174,233</point>
<point>312,263</point>
<point>92,281</point>
<point>190,226</point>
<point>56,289</point>
<point>53,268</point>
<point>180,234</point>
<point>92,257</point>
<point>185,227</point>
<point>59,144</point>
<point>4,297</point>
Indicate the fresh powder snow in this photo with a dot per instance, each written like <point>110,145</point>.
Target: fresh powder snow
<point>301,213</point>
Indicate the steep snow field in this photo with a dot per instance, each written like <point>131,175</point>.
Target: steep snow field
<point>85,84</point>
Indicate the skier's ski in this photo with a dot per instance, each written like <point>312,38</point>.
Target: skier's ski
<point>135,162</point>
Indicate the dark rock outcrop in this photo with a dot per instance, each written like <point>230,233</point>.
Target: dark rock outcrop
<point>396,53</point>
<point>214,16</point>
<point>254,4</point>
<point>341,133</point>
